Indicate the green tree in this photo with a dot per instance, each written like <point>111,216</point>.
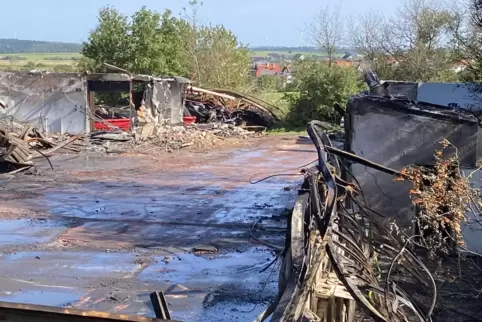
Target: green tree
<point>267,83</point>
<point>108,42</point>
<point>223,61</point>
<point>188,27</point>
<point>213,55</point>
<point>318,86</point>
<point>146,43</point>
<point>149,43</point>
<point>155,43</point>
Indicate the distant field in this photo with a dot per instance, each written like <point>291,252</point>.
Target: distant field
<point>265,53</point>
<point>256,53</point>
<point>40,61</point>
<point>44,56</point>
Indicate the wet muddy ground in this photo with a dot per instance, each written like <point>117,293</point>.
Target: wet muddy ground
<point>102,233</point>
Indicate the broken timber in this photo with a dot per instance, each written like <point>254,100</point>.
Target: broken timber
<point>18,150</point>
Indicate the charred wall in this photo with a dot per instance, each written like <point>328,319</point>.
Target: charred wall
<point>53,102</point>
<point>400,132</point>
<point>166,101</point>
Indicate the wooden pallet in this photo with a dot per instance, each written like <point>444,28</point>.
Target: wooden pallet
<point>18,150</point>
<point>332,302</point>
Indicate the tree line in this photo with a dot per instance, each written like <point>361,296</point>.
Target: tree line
<point>17,46</point>
<point>422,41</point>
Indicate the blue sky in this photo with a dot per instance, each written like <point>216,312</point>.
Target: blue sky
<point>261,22</point>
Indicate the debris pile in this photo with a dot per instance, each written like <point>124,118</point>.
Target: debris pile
<point>200,136</point>
<point>113,112</point>
<point>227,107</point>
<point>24,143</point>
<point>168,139</point>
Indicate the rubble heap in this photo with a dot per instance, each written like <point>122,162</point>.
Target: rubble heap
<point>20,144</point>
<point>169,139</point>
<point>227,107</point>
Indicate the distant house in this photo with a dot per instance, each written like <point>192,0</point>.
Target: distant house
<point>275,56</point>
<point>459,66</point>
<point>348,56</point>
<point>287,75</point>
<point>299,57</point>
<point>267,69</point>
<point>282,74</point>
<point>342,62</point>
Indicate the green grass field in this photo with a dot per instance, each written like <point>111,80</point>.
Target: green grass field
<point>44,56</point>
<point>49,61</point>
<point>67,61</point>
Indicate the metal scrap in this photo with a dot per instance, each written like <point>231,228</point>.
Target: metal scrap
<point>30,312</point>
<point>228,107</point>
<point>335,251</point>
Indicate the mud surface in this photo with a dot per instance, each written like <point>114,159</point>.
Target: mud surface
<point>101,233</point>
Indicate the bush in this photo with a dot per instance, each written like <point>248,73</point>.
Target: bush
<point>267,83</point>
<point>317,88</point>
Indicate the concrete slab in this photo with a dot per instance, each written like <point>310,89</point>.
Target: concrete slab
<point>29,231</point>
<point>67,268</point>
<point>123,218</point>
<point>51,298</point>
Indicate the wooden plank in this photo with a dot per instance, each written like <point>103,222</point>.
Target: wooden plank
<point>8,155</point>
<point>18,158</point>
<point>61,145</point>
<point>350,310</point>
<point>330,312</point>
<point>22,154</point>
<point>322,308</point>
<point>25,132</point>
<point>339,309</point>
<point>91,108</point>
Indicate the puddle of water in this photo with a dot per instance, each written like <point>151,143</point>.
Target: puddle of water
<point>244,155</point>
<point>88,162</point>
<point>219,287</point>
<point>68,265</point>
<point>103,207</point>
<point>23,231</point>
<point>51,298</point>
<point>210,269</point>
<point>232,311</point>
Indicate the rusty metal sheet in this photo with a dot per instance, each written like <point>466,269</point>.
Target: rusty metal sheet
<point>16,312</point>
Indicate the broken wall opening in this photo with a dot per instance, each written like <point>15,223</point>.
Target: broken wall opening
<point>106,114</point>
<point>151,100</point>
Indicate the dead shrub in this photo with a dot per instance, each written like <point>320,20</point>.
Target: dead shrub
<point>443,196</point>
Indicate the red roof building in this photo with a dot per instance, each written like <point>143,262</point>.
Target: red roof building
<point>268,69</point>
